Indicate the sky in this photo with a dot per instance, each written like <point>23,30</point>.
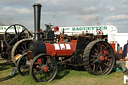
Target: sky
<point>66,13</point>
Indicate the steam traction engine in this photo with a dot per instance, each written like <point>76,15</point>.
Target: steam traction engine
<point>42,57</point>
<point>12,34</point>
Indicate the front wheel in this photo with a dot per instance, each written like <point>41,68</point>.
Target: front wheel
<point>43,68</point>
<point>23,64</point>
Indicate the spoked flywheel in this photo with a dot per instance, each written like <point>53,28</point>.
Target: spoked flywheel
<point>23,64</point>
<point>43,68</point>
<point>15,33</point>
<point>99,58</point>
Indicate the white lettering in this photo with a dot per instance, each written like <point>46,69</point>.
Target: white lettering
<point>56,46</point>
<point>62,46</point>
<point>68,46</point>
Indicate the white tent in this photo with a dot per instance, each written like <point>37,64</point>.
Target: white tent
<point>122,38</point>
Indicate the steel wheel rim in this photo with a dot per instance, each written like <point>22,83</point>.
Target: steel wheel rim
<point>22,66</point>
<point>97,59</point>
<point>38,72</point>
<point>100,58</point>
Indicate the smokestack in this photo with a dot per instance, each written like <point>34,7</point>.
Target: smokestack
<point>37,12</point>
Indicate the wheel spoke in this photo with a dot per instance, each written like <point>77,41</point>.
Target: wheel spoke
<point>98,48</point>
<point>20,51</point>
<point>107,65</point>
<point>43,60</point>
<point>101,48</point>
<point>48,73</point>
<point>38,63</point>
<point>36,72</point>
<point>94,56</point>
<point>23,48</point>
<point>94,67</point>
<point>92,59</point>
<point>94,62</point>
<point>25,71</point>
<point>8,34</point>
<point>10,42</point>
<point>45,76</point>
<point>51,68</point>
<point>26,58</point>
<point>40,74</point>
<point>39,77</point>
<point>97,67</point>
<point>109,56</point>
<point>105,48</point>
<point>96,51</point>
<point>25,45</point>
<point>22,31</point>
<point>101,69</point>
<point>15,30</point>
<point>105,52</point>
<point>48,61</point>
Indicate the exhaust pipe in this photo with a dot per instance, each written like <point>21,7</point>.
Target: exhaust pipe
<point>37,46</point>
<point>37,12</point>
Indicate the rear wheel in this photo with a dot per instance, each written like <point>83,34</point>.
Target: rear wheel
<point>99,58</point>
<point>43,68</point>
<point>20,48</point>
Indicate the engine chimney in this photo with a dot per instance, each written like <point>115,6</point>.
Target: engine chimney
<point>37,12</point>
<point>37,46</point>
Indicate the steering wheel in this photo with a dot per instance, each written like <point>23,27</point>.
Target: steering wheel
<point>15,33</point>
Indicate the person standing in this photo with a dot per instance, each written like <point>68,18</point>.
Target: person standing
<point>125,49</point>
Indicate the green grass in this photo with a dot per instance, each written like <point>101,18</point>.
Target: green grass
<point>64,77</point>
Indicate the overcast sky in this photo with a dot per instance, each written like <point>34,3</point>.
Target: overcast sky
<point>66,13</point>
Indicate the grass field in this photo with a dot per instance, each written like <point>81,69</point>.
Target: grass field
<point>64,77</point>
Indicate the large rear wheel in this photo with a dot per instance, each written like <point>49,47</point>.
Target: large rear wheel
<point>20,48</point>
<point>43,68</point>
<point>99,58</point>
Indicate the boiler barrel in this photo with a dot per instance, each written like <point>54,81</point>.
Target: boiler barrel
<point>60,49</point>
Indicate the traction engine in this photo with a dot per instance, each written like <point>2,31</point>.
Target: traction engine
<point>12,35</point>
<point>45,54</point>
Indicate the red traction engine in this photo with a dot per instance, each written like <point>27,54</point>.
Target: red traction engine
<point>44,55</point>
